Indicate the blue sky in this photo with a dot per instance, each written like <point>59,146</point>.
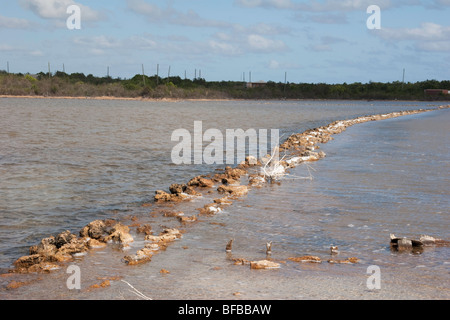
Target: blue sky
<point>313,41</point>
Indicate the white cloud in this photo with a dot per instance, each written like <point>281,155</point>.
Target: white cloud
<point>427,31</point>
<point>223,47</point>
<point>15,23</point>
<point>280,4</point>
<point>98,42</point>
<point>6,47</point>
<point>36,53</point>
<point>153,13</point>
<point>261,44</point>
<point>332,18</point>
<point>273,64</point>
<point>428,37</point>
<point>57,9</point>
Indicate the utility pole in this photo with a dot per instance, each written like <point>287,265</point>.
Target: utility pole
<point>157,74</point>
<point>49,74</point>
<point>250,77</point>
<point>184,74</point>
<point>403,81</point>
<point>285,82</point>
<point>107,72</point>
<point>200,75</point>
<point>143,74</point>
<point>7,66</point>
<point>168,75</point>
<point>64,68</point>
<point>195,74</point>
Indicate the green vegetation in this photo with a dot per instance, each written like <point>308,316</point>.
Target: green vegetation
<point>80,85</point>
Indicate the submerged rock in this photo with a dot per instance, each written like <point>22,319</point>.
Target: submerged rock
<point>210,209</point>
<point>237,191</point>
<point>202,182</point>
<point>415,245</point>
<point>162,196</point>
<point>188,219</point>
<point>312,259</point>
<point>168,235</point>
<point>256,180</point>
<point>120,234</point>
<point>352,260</point>
<point>142,256</point>
<point>264,264</point>
<point>179,192</point>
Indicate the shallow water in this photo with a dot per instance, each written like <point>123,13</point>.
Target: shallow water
<point>64,163</point>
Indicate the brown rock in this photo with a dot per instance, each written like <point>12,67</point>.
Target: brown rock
<point>168,235</point>
<point>120,234</point>
<point>256,180</point>
<point>264,264</point>
<point>28,261</point>
<point>210,209</point>
<point>145,229</point>
<point>95,244</point>
<point>47,247</point>
<point>64,238</point>
<point>177,188</point>
<point>43,267</point>
<point>142,256</point>
<point>223,201</point>
<point>312,259</point>
<point>240,261</point>
<point>205,183</point>
<point>352,260</point>
<point>95,230</point>
<point>162,196</point>
<point>188,219</point>
<point>104,284</point>
<point>233,190</point>
<point>73,247</point>
<point>235,173</point>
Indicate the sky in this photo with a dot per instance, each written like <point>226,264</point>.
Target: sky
<point>306,41</point>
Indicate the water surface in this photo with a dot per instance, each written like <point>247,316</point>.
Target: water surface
<point>64,163</point>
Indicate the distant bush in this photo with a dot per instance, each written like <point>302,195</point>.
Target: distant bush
<point>78,84</point>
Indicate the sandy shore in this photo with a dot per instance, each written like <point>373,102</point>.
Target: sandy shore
<point>111,98</point>
<point>173,99</point>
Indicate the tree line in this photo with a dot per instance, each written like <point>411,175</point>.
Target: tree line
<point>79,84</point>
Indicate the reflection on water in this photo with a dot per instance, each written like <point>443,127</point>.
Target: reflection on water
<point>64,163</point>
